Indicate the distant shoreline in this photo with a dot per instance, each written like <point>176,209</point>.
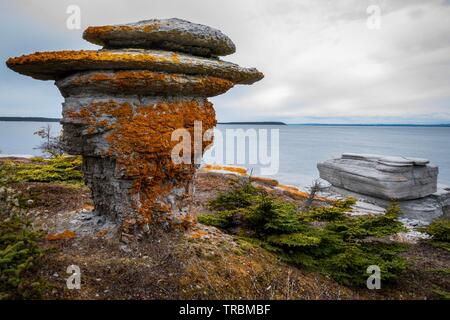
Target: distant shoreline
<point>269,123</point>
<point>368,125</point>
<point>30,119</point>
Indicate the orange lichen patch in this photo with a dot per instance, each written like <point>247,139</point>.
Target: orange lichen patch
<point>215,167</point>
<point>198,234</point>
<point>140,141</point>
<point>151,27</point>
<point>88,207</point>
<point>101,233</point>
<point>144,82</point>
<point>266,181</point>
<point>66,234</point>
<point>64,56</point>
<point>175,58</point>
<point>294,192</point>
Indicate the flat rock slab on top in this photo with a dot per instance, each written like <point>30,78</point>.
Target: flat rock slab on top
<point>167,34</point>
<point>387,160</point>
<point>59,64</point>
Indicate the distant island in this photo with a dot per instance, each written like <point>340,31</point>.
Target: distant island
<point>31,119</point>
<point>370,124</point>
<point>267,123</point>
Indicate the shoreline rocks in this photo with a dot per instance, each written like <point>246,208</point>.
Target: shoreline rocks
<point>122,105</point>
<point>385,177</point>
<point>378,179</point>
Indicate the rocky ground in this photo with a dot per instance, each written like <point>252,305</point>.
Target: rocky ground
<point>204,263</point>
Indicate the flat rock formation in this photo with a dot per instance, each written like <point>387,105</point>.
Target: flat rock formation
<point>122,105</point>
<point>385,177</point>
<point>166,34</point>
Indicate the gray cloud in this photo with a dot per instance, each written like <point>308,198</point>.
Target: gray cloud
<point>322,64</point>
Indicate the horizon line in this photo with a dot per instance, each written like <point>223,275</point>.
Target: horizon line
<point>51,119</point>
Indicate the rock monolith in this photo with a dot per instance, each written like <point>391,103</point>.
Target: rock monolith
<point>123,102</point>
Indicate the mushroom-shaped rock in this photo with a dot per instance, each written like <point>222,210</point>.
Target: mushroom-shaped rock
<point>123,106</point>
<point>166,34</point>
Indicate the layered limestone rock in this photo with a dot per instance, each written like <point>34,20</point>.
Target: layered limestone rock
<point>375,180</point>
<point>122,104</point>
<point>384,177</point>
<point>167,34</point>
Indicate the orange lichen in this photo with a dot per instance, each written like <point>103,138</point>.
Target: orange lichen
<point>296,193</point>
<point>150,81</point>
<point>59,64</point>
<point>175,58</point>
<point>102,233</point>
<point>60,57</point>
<point>197,234</point>
<point>66,234</point>
<point>140,141</point>
<point>215,167</point>
<point>266,181</point>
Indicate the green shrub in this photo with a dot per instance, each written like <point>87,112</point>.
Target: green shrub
<point>336,212</point>
<point>293,240</point>
<point>58,169</point>
<point>323,238</point>
<point>270,216</point>
<point>240,196</point>
<point>222,219</point>
<point>439,230</point>
<point>19,253</point>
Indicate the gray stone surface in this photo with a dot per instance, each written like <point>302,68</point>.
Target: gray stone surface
<point>167,34</point>
<point>384,177</point>
<point>423,210</point>
<point>141,82</point>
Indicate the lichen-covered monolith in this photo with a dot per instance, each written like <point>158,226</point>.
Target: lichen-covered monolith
<point>122,104</point>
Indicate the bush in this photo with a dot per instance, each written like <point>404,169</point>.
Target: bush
<point>323,238</point>
<point>336,212</point>
<point>19,253</point>
<point>58,169</point>
<point>439,230</point>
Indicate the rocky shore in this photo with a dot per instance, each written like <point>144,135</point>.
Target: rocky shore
<point>203,263</point>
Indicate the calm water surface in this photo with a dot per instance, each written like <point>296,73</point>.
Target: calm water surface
<point>301,147</point>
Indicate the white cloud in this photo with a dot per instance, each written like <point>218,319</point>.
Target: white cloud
<point>319,58</point>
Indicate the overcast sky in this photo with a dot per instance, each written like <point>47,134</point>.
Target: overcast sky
<point>321,61</point>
